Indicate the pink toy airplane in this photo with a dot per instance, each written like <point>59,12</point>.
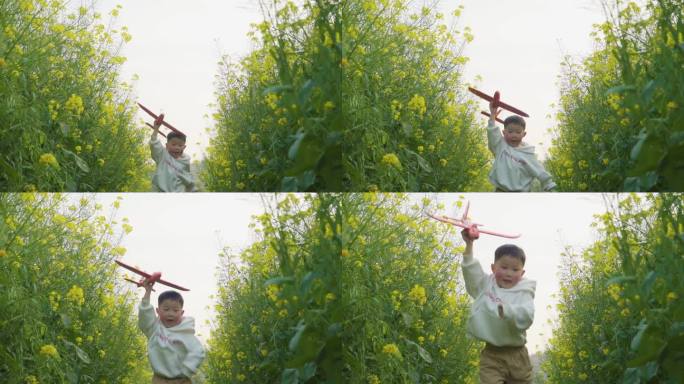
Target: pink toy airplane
<point>498,102</point>
<point>159,119</point>
<point>472,228</point>
<point>152,277</point>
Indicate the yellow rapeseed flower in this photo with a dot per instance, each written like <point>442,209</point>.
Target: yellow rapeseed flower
<point>417,105</point>
<point>329,106</point>
<point>75,295</point>
<point>74,104</point>
<point>31,380</point>
<point>49,350</point>
<point>48,159</point>
<point>392,350</point>
<point>417,294</point>
<point>392,160</point>
<point>672,297</point>
<point>3,253</point>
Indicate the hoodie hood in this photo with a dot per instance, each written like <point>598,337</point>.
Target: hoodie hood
<point>524,285</point>
<point>525,148</point>
<point>187,325</point>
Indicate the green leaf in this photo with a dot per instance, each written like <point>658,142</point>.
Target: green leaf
<point>305,151</point>
<point>620,89</point>
<point>289,184</point>
<point>276,89</point>
<point>290,376</point>
<point>620,280</point>
<point>79,352</point>
<point>80,163</point>
<point>648,344</point>
<point>305,92</point>
<point>647,154</point>
<point>294,341</point>
<point>648,283</point>
<point>631,376</point>
<point>279,280</point>
<point>308,371</point>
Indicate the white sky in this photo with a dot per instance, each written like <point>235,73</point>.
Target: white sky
<point>517,49</point>
<point>182,234</point>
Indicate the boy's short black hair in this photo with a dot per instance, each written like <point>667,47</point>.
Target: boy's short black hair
<point>510,250</point>
<point>175,135</point>
<point>170,295</point>
<point>514,119</point>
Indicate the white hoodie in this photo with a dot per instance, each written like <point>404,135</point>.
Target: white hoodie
<point>171,175</point>
<point>514,167</point>
<point>173,352</point>
<point>484,322</point>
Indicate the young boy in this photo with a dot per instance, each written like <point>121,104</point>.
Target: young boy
<point>501,313</point>
<point>174,352</point>
<point>173,167</point>
<point>515,164</point>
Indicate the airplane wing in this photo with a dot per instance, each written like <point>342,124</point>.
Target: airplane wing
<point>152,126</point>
<point>133,269</point>
<point>171,127</point>
<point>498,234</point>
<point>484,113</point>
<point>498,102</point>
<point>513,109</point>
<point>448,220</point>
<point>172,285</point>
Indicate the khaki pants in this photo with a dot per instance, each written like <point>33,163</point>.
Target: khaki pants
<point>505,365</point>
<point>156,379</point>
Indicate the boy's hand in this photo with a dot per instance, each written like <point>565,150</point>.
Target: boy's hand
<point>494,111</point>
<point>148,288</point>
<point>469,240</point>
<point>158,121</point>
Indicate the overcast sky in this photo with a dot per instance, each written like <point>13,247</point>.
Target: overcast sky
<point>517,49</point>
<point>182,235</point>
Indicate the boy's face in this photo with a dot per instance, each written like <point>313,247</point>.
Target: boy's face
<point>508,271</point>
<point>513,134</point>
<point>175,147</point>
<point>170,313</point>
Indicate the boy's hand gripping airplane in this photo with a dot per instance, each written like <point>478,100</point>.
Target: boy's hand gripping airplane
<point>472,228</point>
<point>497,103</point>
<point>151,277</point>
<point>159,119</point>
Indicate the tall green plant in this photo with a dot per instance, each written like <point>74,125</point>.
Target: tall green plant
<point>354,95</point>
<point>621,123</point>
<point>621,311</point>
<point>64,320</point>
<point>343,288</point>
<point>66,120</point>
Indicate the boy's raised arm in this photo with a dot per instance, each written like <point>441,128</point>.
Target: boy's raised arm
<point>494,137</point>
<point>146,317</point>
<point>472,270</point>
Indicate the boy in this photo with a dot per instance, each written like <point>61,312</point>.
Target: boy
<point>515,164</point>
<point>173,167</point>
<point>501,313</point>
<point>175,353</point>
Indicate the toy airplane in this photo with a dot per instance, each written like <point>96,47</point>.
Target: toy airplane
<point>159,119</point>
<point>152,277</point>
<point>472,228</point>
<point>496,118</point>
<point>498,102</point>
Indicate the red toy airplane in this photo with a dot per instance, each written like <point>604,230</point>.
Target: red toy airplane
<point>472,228</point>
<point>153,277</point>
<point>497,102</point>
<point>159,119</point>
